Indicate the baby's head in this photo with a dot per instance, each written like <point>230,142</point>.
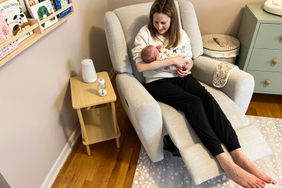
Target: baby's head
<point>149,54</point>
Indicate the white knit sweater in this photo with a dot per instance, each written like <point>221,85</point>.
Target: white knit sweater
<point>144,38</point>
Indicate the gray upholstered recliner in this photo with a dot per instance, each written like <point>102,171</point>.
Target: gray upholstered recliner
<point>152,119</point>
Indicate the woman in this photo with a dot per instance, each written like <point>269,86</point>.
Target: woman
<point>181,91</point>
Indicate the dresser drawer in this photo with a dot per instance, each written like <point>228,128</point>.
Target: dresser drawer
<point>266,82</point>
<point>266,60</point>
<point>269,36</point>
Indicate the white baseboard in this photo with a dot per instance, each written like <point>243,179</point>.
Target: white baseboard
<point>49,180</point>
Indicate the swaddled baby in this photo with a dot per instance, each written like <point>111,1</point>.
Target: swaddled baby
<point>152,53</point>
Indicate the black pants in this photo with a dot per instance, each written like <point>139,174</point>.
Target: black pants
<point>200,108</point>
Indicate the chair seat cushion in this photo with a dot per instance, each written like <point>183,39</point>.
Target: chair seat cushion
<point>176,123</point>
<point>234,114</point>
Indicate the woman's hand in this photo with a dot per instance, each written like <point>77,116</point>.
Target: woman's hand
<point>179,61</point>
<point>184,70</point>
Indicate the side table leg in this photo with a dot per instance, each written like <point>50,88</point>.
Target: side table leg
<point>88,149</point>
<point>115,122</point>
<point>83,131</point>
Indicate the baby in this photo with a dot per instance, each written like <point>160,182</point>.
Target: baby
<point>152,53</point>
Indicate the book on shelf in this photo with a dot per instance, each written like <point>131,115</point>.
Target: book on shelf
<point>31,2</point>
<point>28,4</point>
<point>6,34</point>
<point>15,18</point>
<point>52,2</point>
<point>22,3</point>
<point>42,10</point>
<point>61,4</point>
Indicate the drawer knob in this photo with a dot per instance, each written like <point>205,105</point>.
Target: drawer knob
<point>267,82</point>
<point>274,61</point>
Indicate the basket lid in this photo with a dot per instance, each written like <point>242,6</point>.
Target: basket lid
<point>220,42</point>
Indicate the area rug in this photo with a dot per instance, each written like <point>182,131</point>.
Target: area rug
<point>171,172</point>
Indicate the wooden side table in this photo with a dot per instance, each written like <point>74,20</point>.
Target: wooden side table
<point>97,115</point>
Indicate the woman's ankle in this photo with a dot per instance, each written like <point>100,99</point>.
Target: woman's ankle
<point>224,160</point>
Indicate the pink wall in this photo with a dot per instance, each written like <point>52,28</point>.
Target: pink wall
<point>220,16</point>
<point>214,16</point>
<point>35,106</point>
<point>36,116</point>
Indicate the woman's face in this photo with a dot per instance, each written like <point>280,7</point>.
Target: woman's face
<point>161,22</point>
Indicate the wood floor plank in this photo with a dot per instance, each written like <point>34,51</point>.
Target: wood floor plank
<point>121,169</point>
<point>111,167</point>
<point>135,144</point>
<point>266,105</point>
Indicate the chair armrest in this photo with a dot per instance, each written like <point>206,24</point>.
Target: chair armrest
<point>144,113</point>
<point>240,84</point>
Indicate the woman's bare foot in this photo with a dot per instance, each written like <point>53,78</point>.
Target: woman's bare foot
<point>237,174</point>
<point>242,160</point>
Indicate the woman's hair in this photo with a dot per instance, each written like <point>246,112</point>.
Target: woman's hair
<point>168,8</point>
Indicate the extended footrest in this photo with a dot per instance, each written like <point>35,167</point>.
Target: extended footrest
<point>201,165</point>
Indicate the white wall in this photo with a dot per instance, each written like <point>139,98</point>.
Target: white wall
<point>36,117</point>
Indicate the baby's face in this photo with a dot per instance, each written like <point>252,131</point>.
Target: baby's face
<point>155,53</point>
<point>150,54</point>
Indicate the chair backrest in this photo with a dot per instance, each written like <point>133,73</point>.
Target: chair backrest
<point>122,25</point>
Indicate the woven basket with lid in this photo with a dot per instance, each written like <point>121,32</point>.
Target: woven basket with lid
<point>220,46</point>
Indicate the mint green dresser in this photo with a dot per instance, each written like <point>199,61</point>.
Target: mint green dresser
<point>260,35</point>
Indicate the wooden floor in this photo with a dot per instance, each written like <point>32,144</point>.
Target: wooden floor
<point>113,168</point>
